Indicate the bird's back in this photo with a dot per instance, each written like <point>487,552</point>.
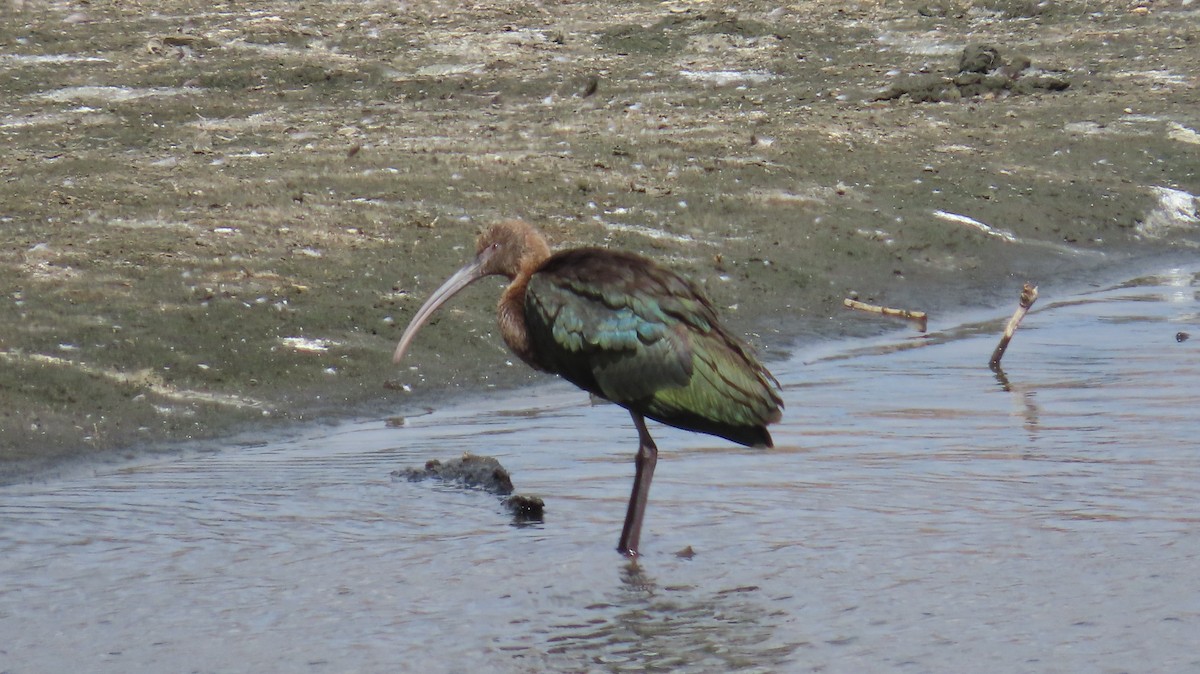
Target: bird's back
<point>626,329</point>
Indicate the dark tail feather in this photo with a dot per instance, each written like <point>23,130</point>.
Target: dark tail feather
<point>749,435</point>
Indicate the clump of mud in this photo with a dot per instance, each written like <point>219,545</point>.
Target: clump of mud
<point>982,70</point>
<point>525,508</point>
<point>475,472</point>
<point>479,472</point>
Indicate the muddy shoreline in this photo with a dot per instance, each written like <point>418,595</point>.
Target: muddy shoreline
<point>217,219</point>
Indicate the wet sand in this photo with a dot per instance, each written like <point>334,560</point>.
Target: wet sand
<point>217,218</point>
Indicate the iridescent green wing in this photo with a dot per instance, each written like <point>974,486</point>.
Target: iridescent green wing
<point>628,330</point>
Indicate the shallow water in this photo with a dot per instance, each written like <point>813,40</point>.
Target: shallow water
<point>919,513</point>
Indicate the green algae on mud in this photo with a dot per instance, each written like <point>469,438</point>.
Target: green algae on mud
<point>215,216</point>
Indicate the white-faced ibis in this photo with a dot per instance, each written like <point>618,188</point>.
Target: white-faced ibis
<point>621,327</point>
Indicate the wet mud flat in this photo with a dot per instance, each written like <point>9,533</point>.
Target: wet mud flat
<point>216,216</point>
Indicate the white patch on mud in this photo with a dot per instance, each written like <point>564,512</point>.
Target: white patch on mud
<point>49,58</point>
<point>1007,236</point>
<point>1182,134</point>
<point>106,94</point>
<point>1176,210</point>
<point>1159,77</point>
<point>142,379</point>
<point>306,345</point>
<point>724,77</point>
<point>813,195</point>
<point>258,120</point>
<point>448,69</point>
<point>311,50</point>
<point>920,44</point>
<point>83,116</point>
<point>649,232</point>
<point>1001,234</point>
<point>883,236</point>
<point>43,263</point>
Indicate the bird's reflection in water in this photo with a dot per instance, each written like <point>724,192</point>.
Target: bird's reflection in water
<point>648,627</point>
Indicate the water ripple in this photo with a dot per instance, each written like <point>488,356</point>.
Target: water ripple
<point>918,513</point>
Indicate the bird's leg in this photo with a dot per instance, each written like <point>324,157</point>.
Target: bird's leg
<point>647,458</point>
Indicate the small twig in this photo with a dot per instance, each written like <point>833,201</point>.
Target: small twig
<point>918,317</point>
<point>1029,293</point>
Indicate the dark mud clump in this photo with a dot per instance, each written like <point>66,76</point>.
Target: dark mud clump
<point>475,472</point>
<point>982,71</point>
<point>525,508</point>
<point>479,472</point>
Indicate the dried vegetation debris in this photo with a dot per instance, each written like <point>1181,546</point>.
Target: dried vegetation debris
<point>982,70</point>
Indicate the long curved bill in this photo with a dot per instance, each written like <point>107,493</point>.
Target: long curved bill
<point>462,278</point>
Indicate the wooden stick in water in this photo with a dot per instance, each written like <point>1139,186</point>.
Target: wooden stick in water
<point>918,317</point>
<point>1029,293</point>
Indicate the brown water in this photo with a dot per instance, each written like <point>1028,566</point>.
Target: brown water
<point>918,514</point>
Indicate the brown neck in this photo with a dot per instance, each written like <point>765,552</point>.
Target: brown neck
<point>525,251</point>
<point>511,316</point>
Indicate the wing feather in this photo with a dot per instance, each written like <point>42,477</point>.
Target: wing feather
<point>628,330</point>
